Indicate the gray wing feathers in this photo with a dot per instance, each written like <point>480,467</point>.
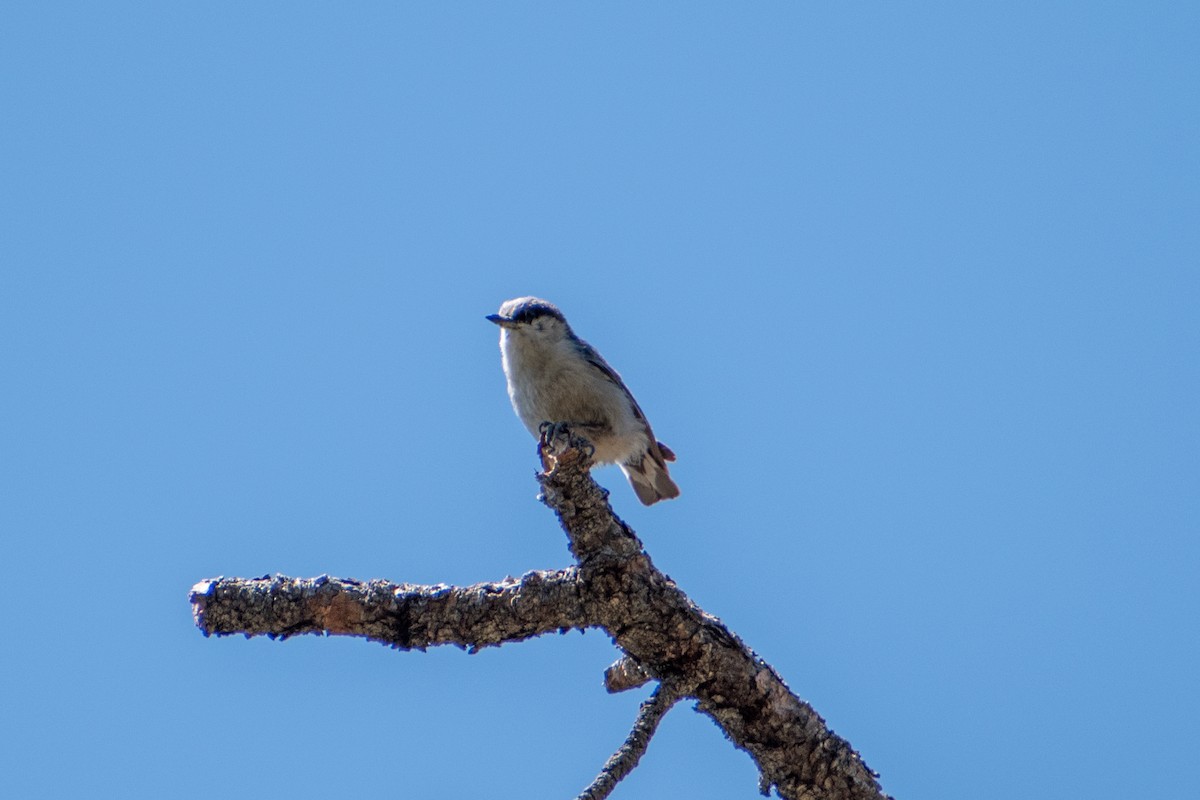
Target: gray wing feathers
<point>648,477</point>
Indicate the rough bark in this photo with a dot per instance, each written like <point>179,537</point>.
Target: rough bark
<point>405,616</point>
<point>616,587</point>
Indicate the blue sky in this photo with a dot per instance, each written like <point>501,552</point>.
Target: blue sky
<point>911,290</point>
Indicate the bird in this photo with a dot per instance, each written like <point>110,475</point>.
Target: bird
<point>555,378</point>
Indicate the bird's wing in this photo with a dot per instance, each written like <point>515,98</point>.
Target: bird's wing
<point>659,452</point>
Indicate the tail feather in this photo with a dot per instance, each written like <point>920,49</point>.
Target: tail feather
<point>650,480</point>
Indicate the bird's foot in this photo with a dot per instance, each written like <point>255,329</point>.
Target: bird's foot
<point>555,440</point>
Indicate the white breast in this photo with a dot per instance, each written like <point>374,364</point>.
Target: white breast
<point>552,382</point>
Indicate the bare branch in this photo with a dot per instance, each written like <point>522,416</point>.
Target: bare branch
<point>404,615</point>
<point>629,754</point>
<point>661,632</point>
<point>658,625</point>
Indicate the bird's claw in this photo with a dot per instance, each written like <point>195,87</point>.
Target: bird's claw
<point>554,440</point>
<point>554,436</point>
<point>548,449</point>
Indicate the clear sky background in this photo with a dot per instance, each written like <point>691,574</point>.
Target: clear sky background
<point>911,289</point>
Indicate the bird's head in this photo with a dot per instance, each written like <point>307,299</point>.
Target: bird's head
<point>532,317</point>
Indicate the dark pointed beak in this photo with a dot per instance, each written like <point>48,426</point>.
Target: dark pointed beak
<point>503,322</point>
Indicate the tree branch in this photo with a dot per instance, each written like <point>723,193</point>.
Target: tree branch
<point>404,616</point>
<point>629,754</point>
<point>663,634</point>
<point>659,626</point>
